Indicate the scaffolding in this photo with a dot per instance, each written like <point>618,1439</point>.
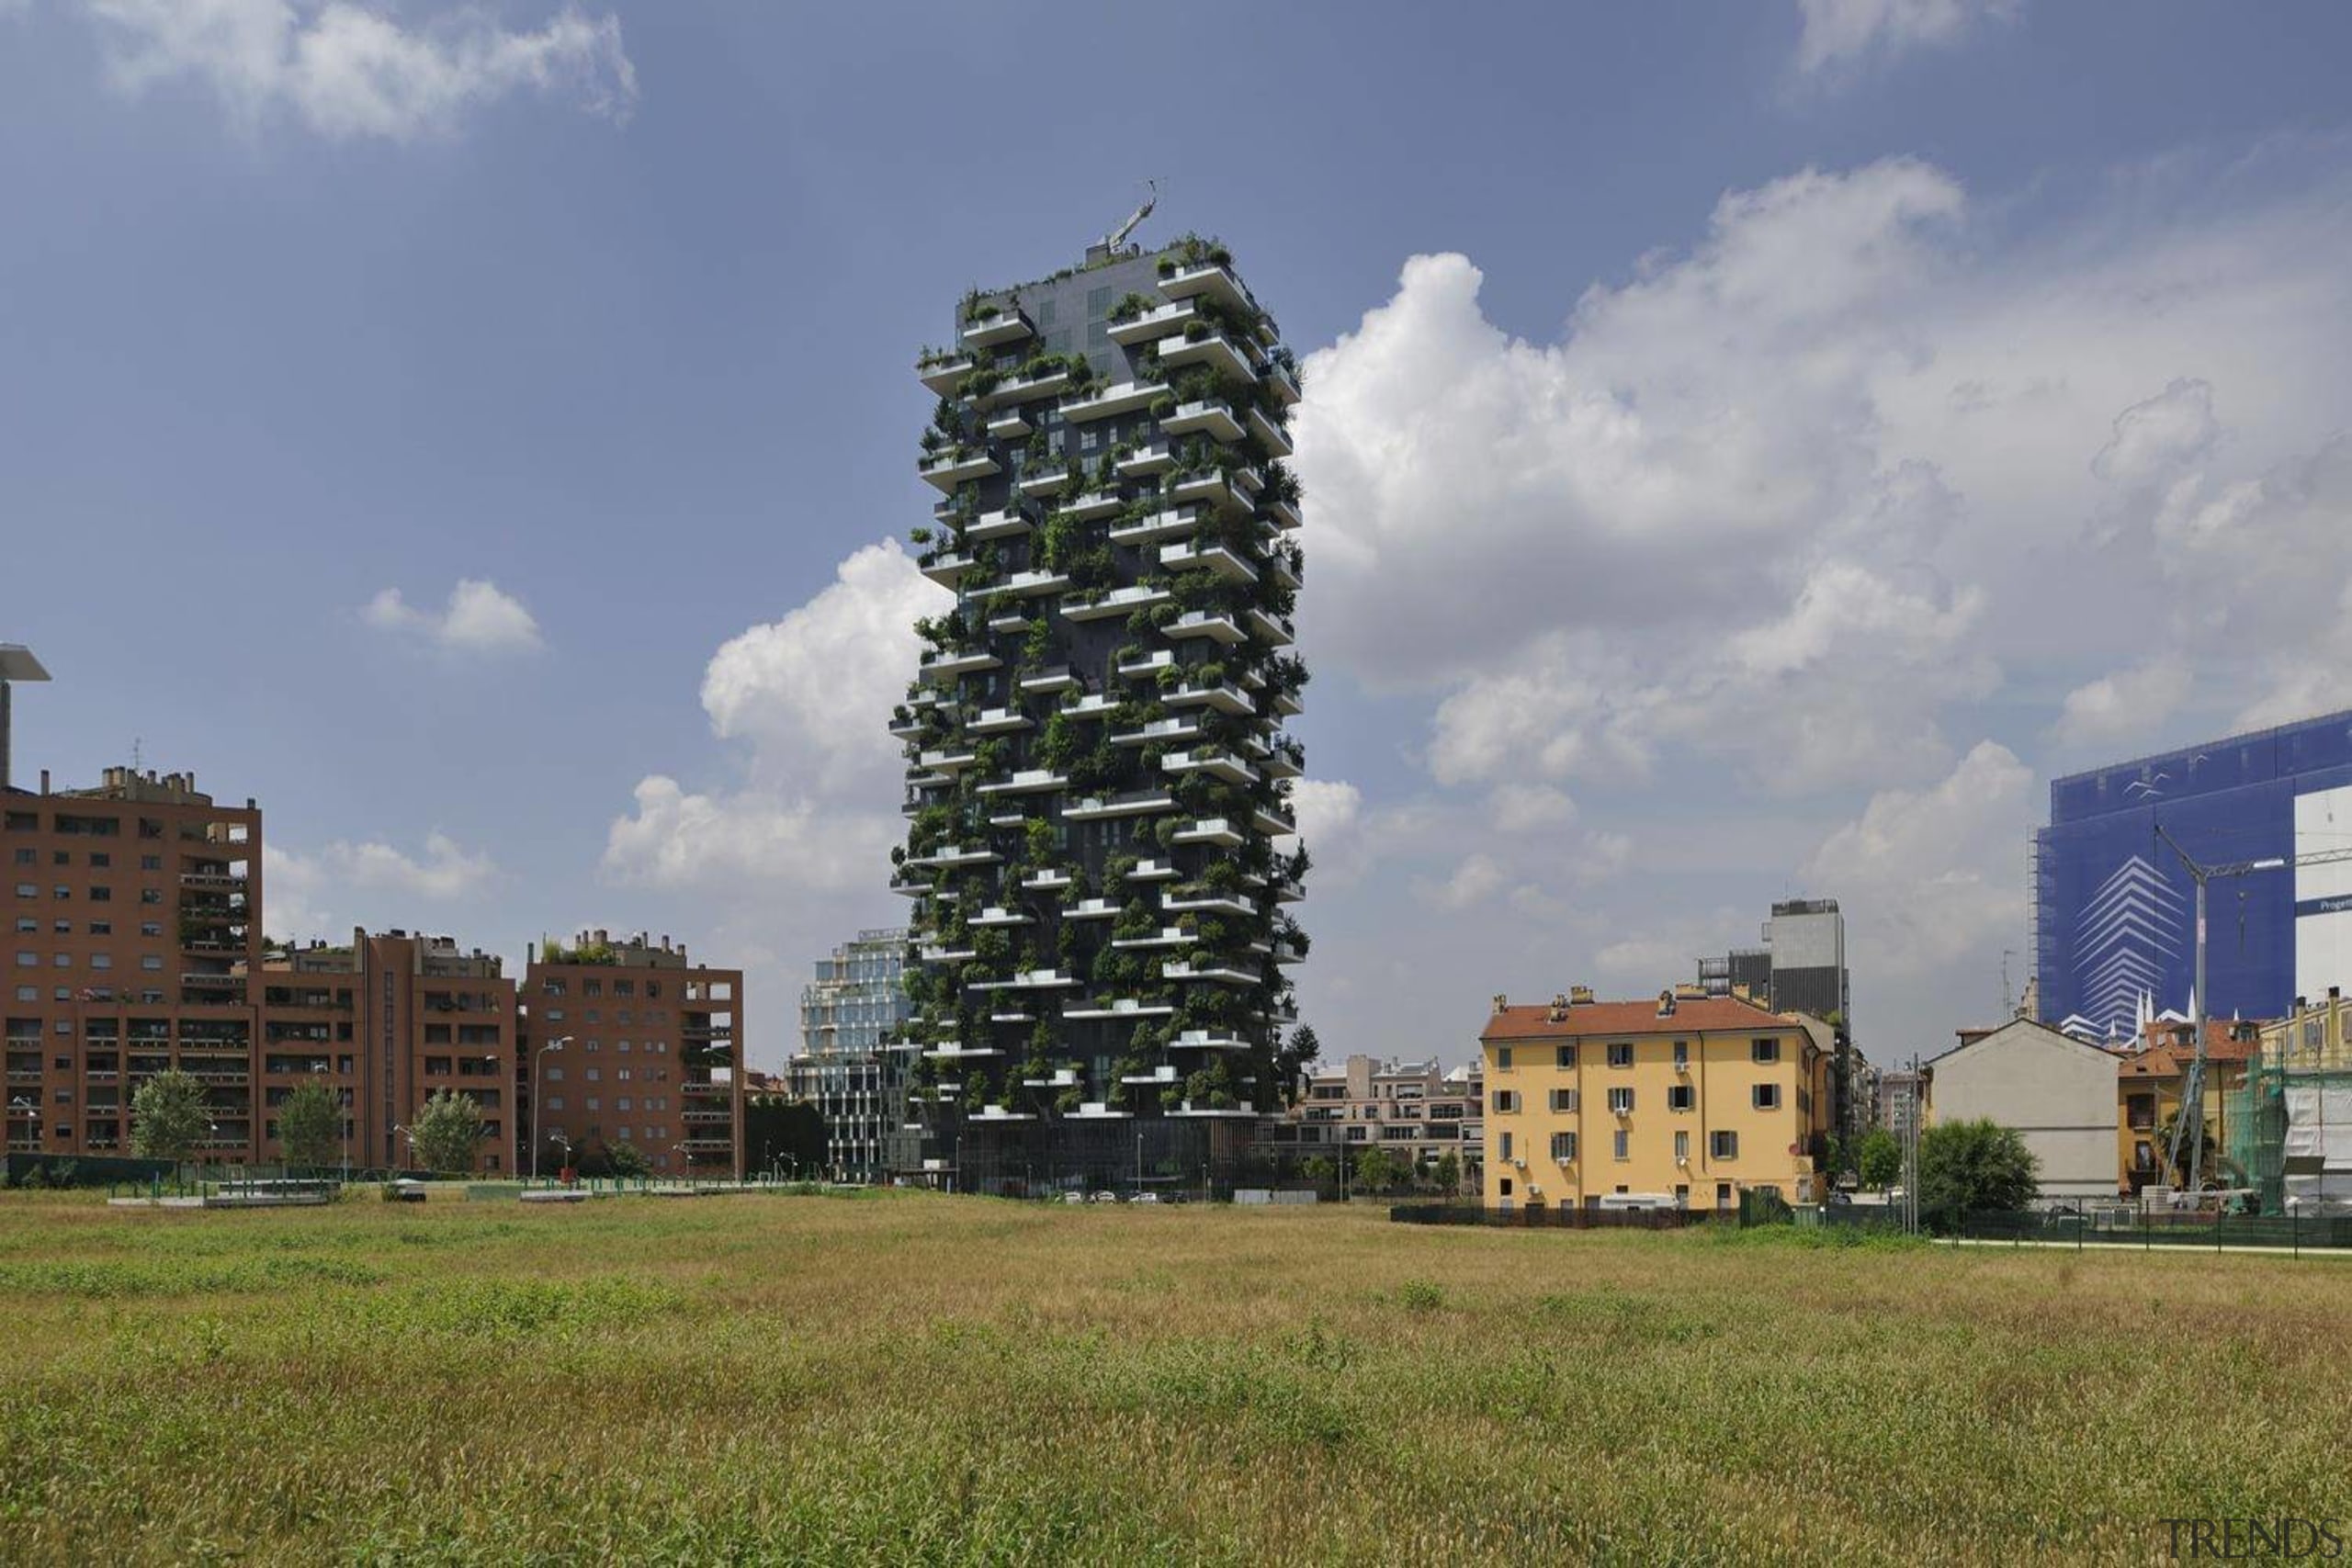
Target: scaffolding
<point>2291,1125</point>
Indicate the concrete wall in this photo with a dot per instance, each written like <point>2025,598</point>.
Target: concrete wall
<point>2058,1093</point>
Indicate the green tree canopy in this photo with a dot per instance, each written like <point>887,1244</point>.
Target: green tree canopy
<point>628,1160</point>
<point>1970,1166</point>
<point>1449,1172</point>
<point>310,1124</point>
<point>1879,1159</point>
<point>1377,1170</point>
<point>168,1117</point>
<point>448,1132</point>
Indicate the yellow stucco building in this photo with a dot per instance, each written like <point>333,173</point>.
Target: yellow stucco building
<point>1687,1100</point>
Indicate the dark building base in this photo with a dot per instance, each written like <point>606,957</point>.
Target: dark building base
<point>1176,1157</point>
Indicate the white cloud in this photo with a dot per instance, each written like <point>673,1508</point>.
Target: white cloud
<point>1842,34</point>
<point>2126,705</point>
<point>346,883</point>
<point>1932,879</point>
<point>1330,813</point>
<point>1478,878</point>
<point>348,70</point>
<point>479,618</point>
<point>1517,807</point>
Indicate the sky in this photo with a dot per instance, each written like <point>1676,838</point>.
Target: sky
<point>1748,448</point>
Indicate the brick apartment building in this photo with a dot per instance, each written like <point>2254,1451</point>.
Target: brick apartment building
<point>631,1041</point>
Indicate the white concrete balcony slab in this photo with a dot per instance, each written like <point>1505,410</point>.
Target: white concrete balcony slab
<point>949,1051</point>
<point>1045,480</point>
<point>1099,808</point>
<point>1272,436</point>
<point>1158,1074</point>
<point>1216,973</point>
<point>1214,417</point>
<point>1028,388</point>
<point>1154,325</point>
<point>1217,830</point>
<point>1126,397</point>
<point>1093,505</point>
<point>1119,601</point>
<point>1274,631</point>
<point>1204,901</point>
<point>1209,487</point>
<point>1153,871</point>
<point>1212,349</point>
<point>1168,523</point>
<point>1148,666</point>
<point>1012,424</point>
<point>951,856</point>
<point>998,721</point>
<point>1160,731</point>
<point>1224,697</point>
<point>1167,936</point>
<point>1056,678</point>
<point>995,914</point>
<point>1157,457</point>
<point>1194,556</point>
<point>1093,705</point>
<point>1008,523</point>
<point>1003,324</point>
<point>949,570</point>
<point>1096,1111</point>
<point>1203,1113</point>
<point>1207,1040</point>
<point>1122,1007</point>
<point>1217,764</point>
<point>1028,781</point>
<point>949,469</point>
<point>1092,910</point>
<point>944,374</point>
<point>1216,282</point>
<point>1032,584</point>
<point>948,760</point>
<point>1216,624</point>
<point>1282,514</point>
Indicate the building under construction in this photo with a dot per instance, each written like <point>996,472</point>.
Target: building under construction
<point>2291,1126</point>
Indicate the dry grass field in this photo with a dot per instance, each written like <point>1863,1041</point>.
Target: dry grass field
<point>906,1377</point>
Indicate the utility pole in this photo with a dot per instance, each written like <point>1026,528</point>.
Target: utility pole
<point>2189,1121</point>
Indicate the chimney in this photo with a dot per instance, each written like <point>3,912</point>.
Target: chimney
<point>1666,1003</point>
<point>1579,996</point>
<point>44,781</point>
<point>1501,1001</point>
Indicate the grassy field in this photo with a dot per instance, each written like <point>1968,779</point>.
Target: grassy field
<point>902,1377</point>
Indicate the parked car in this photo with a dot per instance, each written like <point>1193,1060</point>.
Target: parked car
<point>407,1189</point>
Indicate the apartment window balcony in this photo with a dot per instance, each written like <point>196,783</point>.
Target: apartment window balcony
<point>1046,881</point>
<point>1095,504</point>
<point>197,980</point>
<point>1287,890</point>
<point>1157,730</point>
<point>947,469</point>
<point>1010,424</point>
<point>1215,416</point>
<point>1207,1040</point>
<point>1009,524</point>
<point>995,914</point>
<point>1212,349</point>
<point>906,728</point>
<point>1044,980</point>
<point>1098,809</point>
<point>1216,282</point>
<point>1282,566</point>
<point>1057,678</point>
<point>1270,822</point>
<point>1154,325</point>
<point>948,663</point>
<point>1029,781</point>
<point>952,855</point>
<point>1213,558</point>
<point>1287,951</point>
<point>1217,764</point>
<point>1204,901</point>
<point>947,954</point>
<point>1225,698</point>
<point>1169,523</point>
<point>1041,482</point>
<point>1217,830</point>
<point>1148,665</point>
<point>1092,705</point>
<point>998,721</point>
<point>1287,704</point>
<point>1091,909</point>
<point>1095,1009</point>
<point>1157,457</point>
<point>1028,388</point>
<point>943,374</point>
<point>1063,1077</point>
<point>1163,1073</point>
<point>1127,397</point>
<point>1152,871</point>
<point>1119,601</point>
<point>1221,974</point>
<point>1203,1113</point>
<point>1213,624</point>
<point>1272,436</point>
<point>1166,936</point>
<point>1029,585</point>
<point>1282,514</point>
<point>947,570</point>
<point>1005,323</point>
<point>947,762</point>
<point>1274,631</point>
<point>1278,375</point>
<point>1213,487</point>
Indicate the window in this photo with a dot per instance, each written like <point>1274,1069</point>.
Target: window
<point>1763,1051</point>
<point>554,1074</point>
<point>1765,1097</point>
<point>1621,1144</point>
<point>1723,1145</point>
<point>1620,1054</point>
<point>151,862</point>
<point>1564,1100</point>
<point>1722,1194</point>
<point>2142,1111</point>
<point>1682,1053</point>
<point>151,961</point>
<point>1564,1056</point>
<point>1679,1097</point>
<point>1502,1058</point>
<point>1504,1187</point>
<point>555,1102</point>
<point>1621,1101</point>
<point>101,894</point>
<point>1506,1143</point>
<point>150,928</point>
<point>1505,1101</point>
<point>1564,1146</point>
<point>1681,1147</point>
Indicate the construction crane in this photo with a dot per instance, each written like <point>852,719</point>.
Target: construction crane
<point>2189,1124</point>
<point>1119,236</point>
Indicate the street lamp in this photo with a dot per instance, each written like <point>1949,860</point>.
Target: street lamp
<point>410,1136</point>
<point>555,1135</point>
<point>685,1168</point>
<point>538,1105</point>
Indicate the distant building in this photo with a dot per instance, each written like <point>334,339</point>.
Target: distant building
<point>1801,968</point>
<point>2150,1082</point>
<point>631,1041</point>
<point>2058,1092</point>
<point>1421,1111</point>
<point>2293,1138</point>
<point>1687,1101</point>
<point>849,1013</point>
<point>1898,1102</point>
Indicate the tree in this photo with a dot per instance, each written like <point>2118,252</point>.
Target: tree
<point>168,1117</point>
<point>1835,1158</point>
<point>447,1132</point>
<point>310,1124</point>
<point>1879,1159</point>
<point>1449,1173</point>
<point>628,1160</point>
<point>1968,1165</point>
<point>1321,1169</point>
<point>1377,1170</point>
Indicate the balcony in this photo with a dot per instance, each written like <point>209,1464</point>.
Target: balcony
<point>1155,458</point>
<point>1098,809</point>
<point>1091,909</point>
<point>1056,679</point>
<point>998,721</point>
<point>1166,936</point>
<point>1278,375</point>
<point>1226,697</point>
<point>1282,760</point>
<point>1287,951</point>
<point>1212,349</point>
<point>949,469</point>
<point>948,663</point>
<point>1009,524</point>
<point>1272,823</point>
<point>1031,584</point>
<point>1041,482</point>
<point>1272,436</point>
<point>1219,973</point>
<point>1119,601</point>
<point>1010,425</point>
<point>1287,704</point>
<point>947,762</point>
<point>1092,705</point>
<point>950,1051</point>
<point>1274,631</point>
<point>709,1117</point>
<point>1213,557</point>
<point>999,324</point>
<point>1215,417</point>
<point>1232,1112</point>
<point>1282,565</point>
<point>949,570</point>
<point>1158,731</point>
<point>1050,383</point>
<point>947,954</point>
<point>1148,666</point>
<point>1217,764</point>
<point>1098,1110</point>
<point>1188,283</point>
<point>1204,901</point>
<point>199,980</point>
<point>1282,514</point>
<point>1213,487</point>
<point>1093,505</point>
<point>943,375</point>
<point>1287,890</point>
<point>1214,624</point>
<point>996,916</point>
<point>1044,981</point>
<point>1127,397</point>
<point>1028,781</point>
<point>1152,871</point>
<point>219,881</point>
<point>952,855</point>
<point>1208,1040</point>
<point>1153,325</point>
<point>1169,522</point>
<point>1163,1073</point>
<point>1047,881</point>
<point>907,729</point>
<point>1217,830</point>
<point>1064,1078</point>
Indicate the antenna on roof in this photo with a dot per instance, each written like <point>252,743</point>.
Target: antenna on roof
<point>1119,235</point>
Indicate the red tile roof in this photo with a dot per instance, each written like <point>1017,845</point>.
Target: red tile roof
<point>1689,1016</point>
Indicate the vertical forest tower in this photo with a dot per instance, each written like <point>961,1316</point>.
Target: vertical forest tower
<point>1098,781</point>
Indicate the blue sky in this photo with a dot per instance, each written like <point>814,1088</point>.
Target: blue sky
<point>1805,429</point>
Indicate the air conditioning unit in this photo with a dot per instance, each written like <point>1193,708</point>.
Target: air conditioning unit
<point>1563,1161</point>
<point>1682,1068</point>
<point>1683,1160</point>
<point>1519,1164</point>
